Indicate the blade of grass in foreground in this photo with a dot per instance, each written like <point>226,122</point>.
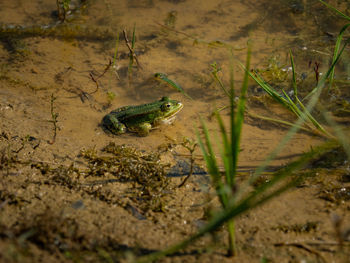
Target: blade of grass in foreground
<point>258,197</point>
<point>213,169</point>
<point>229,155</point>
<point>237,126</point>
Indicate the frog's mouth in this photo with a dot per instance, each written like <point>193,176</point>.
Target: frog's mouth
<point>172,116</point>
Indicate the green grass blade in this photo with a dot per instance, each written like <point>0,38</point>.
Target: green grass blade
<point>313,120</point>
<point>211,163</point>
<point>341,137</point>
<point>236,128</point>
<point>226,152</point>
<point>265,86</point>
<point>214,74</point>
<point>313,131</point>
<point>164,77</point>
<point>133,37</point>
<point>116,50</point>
<point>322,82</point>
<point>254,199</point>
<point>294,82</point>
<point>231,181</point>
<point>336,50</point>
<point>313,100</point>
<point>335,10</point>
<point>208,152</point>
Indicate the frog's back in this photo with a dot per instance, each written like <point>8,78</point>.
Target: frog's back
<point>128,112</point>
<point>121,113</point>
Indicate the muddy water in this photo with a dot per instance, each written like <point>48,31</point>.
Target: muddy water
<point>181,39</point>
<point>62,68</point>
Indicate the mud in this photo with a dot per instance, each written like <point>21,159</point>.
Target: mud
<point>56,87</point>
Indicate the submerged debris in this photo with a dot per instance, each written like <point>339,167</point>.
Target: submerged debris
<point>298,228</point>
<point>141,174</point>
<point>66,31</point>
<point>123,163</point>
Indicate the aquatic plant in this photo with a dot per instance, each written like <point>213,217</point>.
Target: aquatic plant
<point>62,9</point>
<point>235,201</point>
<point>226,189</point>
<point>339,39</point>
<point>293,104</point>
<point>132,55</point>
<point>163,77</point>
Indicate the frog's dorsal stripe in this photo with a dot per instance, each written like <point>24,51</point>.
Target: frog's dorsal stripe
<point>127,112</point>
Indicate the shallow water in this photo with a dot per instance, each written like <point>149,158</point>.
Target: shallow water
<point>194,38</point>
<point>177,37</point>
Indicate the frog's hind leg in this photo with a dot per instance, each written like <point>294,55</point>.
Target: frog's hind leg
<point>112,124</point>
<point>142,129</point>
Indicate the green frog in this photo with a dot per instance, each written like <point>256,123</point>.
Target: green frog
<point>142,118</point>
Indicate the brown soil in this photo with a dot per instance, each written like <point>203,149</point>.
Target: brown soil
<point>52,210</point>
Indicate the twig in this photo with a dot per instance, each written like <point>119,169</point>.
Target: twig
<point>54,117</point>
<point>132,52</point>
<point>302,246</point>
<point>316,70</point>
<point>95,79</point>
<point>191,146</point>
<point>61,11</point>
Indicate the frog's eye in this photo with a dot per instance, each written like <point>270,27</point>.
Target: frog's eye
<point>166,106</point>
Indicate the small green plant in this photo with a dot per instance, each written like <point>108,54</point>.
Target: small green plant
<point>226,188</point>
<point>132,55</point>
<point>171,18</point>
<point>163,77</point>
<point>110,96</point>
<point>293,104</point>
<point>62,9</point>
<point>236,201</point>
<point>214,73</point>
<point>339,39</point>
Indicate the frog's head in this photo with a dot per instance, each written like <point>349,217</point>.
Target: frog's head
<point>169,108</point>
